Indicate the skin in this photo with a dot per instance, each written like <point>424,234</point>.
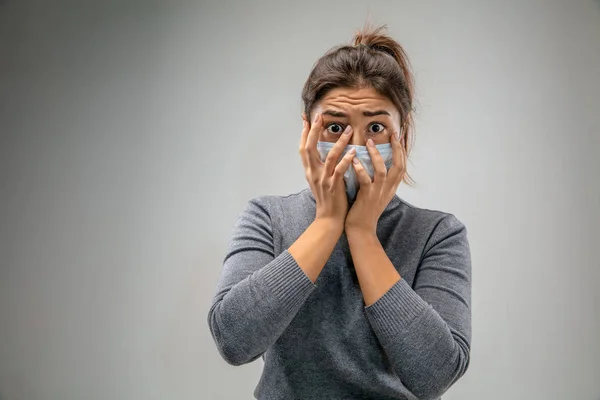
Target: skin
<point>351,110</point>
<point>353,103</point>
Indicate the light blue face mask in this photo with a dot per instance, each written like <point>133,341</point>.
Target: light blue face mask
<point>362,154</point>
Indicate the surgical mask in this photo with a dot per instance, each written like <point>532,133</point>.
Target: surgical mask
<point>362,154</point>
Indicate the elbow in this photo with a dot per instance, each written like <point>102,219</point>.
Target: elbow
<point>427,394</point>
<point>441,381</point>
<point>229,348</point>
<point>232,356</point>
<point>432,391</point>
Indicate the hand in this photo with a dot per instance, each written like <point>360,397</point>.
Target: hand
<point>326,179</point>
<point>373,197</point>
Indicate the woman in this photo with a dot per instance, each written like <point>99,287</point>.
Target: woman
<point>346,293</point>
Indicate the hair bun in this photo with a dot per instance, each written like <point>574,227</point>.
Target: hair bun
<point>376,39</point>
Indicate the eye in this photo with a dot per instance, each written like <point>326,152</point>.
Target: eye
<point>376,127</point>
<point>334,128</point>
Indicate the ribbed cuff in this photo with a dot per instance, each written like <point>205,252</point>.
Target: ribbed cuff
<point>286,280</point>
<point>396,309</point>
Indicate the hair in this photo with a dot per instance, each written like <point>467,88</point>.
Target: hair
<point>374,60</point>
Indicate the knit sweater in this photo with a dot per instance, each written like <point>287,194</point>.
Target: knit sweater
<point>319,340</point>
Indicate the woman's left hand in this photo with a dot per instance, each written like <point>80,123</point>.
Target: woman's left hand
<point>373,197</point>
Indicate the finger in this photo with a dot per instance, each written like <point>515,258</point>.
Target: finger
<point>303,138</point>
<point>305,129</point>
<point>398,154</point>
<point>312,155</point>
<point>377,160</point>
<point>363,177</point>
<point>341,167</point>
<point>398,168</point>
<point>403,158</point>
<point>334,154</point>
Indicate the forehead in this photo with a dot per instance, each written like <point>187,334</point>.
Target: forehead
<point>363,98</point>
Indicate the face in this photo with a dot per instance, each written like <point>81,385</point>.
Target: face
<point>371,115</point>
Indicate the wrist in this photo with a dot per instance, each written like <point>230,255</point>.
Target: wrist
<point>359,231</point>
<point>332,225</point>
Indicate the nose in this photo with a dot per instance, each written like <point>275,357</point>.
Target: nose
<point>357,138</point>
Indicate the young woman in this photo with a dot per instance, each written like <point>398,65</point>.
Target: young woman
<point>344,289</point>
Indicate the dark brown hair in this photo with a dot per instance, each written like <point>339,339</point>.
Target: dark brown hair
<point>373,60</point>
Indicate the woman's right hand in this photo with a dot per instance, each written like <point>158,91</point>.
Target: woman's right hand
<point>326,179</point>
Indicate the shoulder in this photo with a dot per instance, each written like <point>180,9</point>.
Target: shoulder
<point>276,206</point>
<point>426,217</point>
<point>433,227</point>
<point>271,201</point>
<point>440,233</point>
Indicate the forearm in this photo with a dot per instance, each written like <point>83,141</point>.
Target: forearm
<point>249,316</point>
<point>376,273</point>
<point>313,248</point>
<point>420,345</point>
<point>427,354</point>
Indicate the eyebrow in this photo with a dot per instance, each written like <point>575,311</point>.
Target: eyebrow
<point>365,113</point>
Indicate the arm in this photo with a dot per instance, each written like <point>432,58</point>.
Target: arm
<point>258,294</point>
<point>425,330</point>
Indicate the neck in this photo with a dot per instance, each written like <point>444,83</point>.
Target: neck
<point>390,205</point>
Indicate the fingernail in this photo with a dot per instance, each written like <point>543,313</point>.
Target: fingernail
<point>317,118</point>
<point>370,143</point>
<point>397,135</point>
<point>355,160</point>
<point>347,130</point>
<point>352,150</point>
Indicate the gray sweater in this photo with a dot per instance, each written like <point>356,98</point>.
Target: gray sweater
<point>319,341</point>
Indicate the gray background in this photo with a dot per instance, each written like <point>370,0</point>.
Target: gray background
<point>133,133</point>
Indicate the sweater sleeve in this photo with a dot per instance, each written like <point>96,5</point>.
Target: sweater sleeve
<point>425,330</point>
<point>257,294</point>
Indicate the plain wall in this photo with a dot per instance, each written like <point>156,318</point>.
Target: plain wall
<point>133,133</point>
